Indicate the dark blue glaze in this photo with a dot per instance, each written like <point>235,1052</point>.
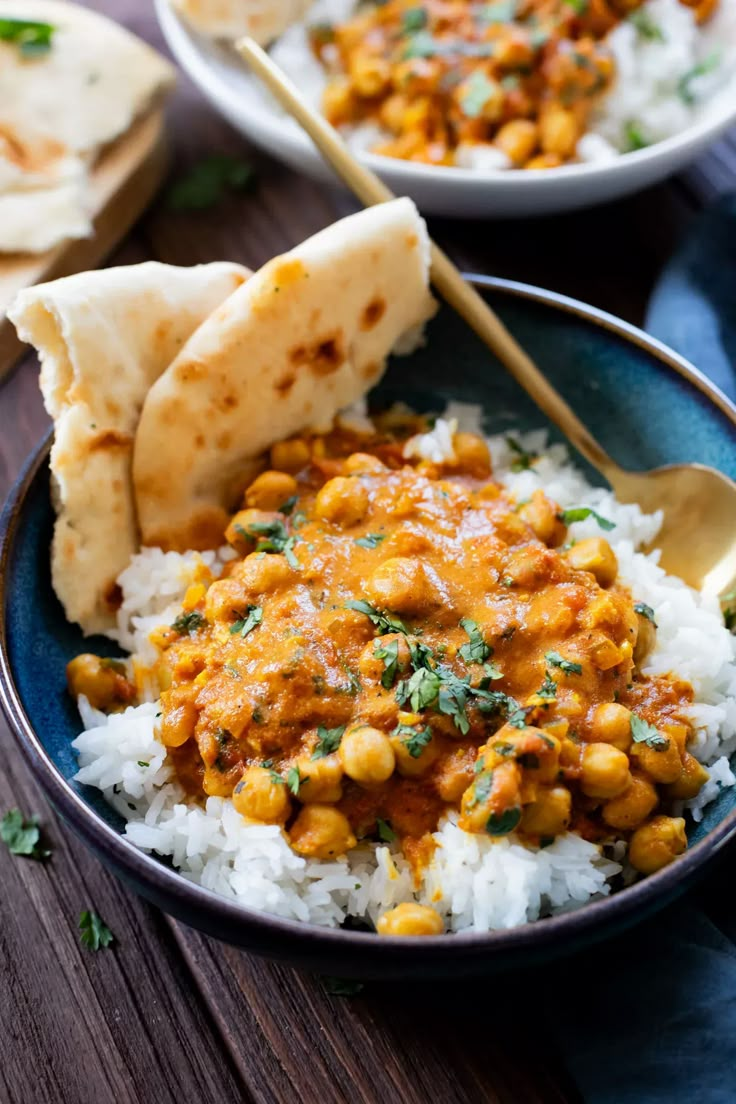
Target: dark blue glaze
<point>642,411</point>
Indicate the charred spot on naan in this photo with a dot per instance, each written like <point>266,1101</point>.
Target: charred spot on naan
<point>373,313</point>
<point>109,439</point>
<point>284,385</point>
<point>323,357</point>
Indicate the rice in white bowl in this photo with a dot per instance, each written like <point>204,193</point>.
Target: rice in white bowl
<point>670,74</point>
<point>475,882</point>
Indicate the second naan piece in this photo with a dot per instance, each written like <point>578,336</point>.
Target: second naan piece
<point>307,335</point>
<point>103,338</point>
<point>263,20</point>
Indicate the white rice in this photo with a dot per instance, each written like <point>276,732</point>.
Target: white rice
<point>646,97</point>
<point>474,881</point>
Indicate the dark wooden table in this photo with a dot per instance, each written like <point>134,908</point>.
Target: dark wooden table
<point>172,1016</point>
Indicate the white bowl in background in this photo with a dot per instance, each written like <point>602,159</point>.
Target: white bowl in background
<point>438,190</point>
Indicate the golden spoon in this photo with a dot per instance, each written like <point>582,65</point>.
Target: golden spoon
<point>698,534</point>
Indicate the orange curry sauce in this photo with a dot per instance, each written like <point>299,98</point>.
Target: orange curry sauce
<point>398,639</point>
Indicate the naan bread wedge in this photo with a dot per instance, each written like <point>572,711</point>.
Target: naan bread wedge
<point>103,339</point>
<point>58,108</point>
<point>263,20</point>
<point>308,334</point>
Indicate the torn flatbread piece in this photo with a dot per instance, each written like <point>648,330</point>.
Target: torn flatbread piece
<point>103,339</point>
<point>307,335</point>
<point>58,107</point>
<point>263,20</point>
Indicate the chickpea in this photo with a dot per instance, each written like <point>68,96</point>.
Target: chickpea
<point>102,681</point>
<point>348,627</point>
<point>691,780</point>
<point>216,783</point>
<point>490,794</point>
<point>238,531</point>
<point>222,598</point>
<point>657,844</point>
<point>604,771</point>
<point>403,585</point>
<point>596,556</point>
<point>270,490</point>
<point>424,754</point>
<point>611,724</point>
<point>367,755</point>
<point>471,455</point>
<point>544,161</point>
<point>321,832</point>
<point>321,779</point>
<point>180,716</point>
<point>540,514</point>
<point>410,919</point>
<point>342,501</point>
<point>517,139</point>
<point>661,764</point>
<point>558,131</point>
<point>290,456</point>
<point>362,463</point>
<point>263,573</point>
<point>338,103</point>
<point>631,807</point>
<point>262,795</point>
<point>453,776</point>
<point>646,639</point>
<point>549,814</point>
<point>370,75</point>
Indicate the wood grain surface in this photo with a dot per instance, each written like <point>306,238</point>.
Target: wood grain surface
<point>169,1015</point>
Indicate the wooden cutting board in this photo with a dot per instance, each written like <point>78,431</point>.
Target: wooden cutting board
<point>123,182</point>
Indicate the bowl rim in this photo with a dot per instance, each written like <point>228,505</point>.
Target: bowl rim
<point>168,883</point>
<point>186,45</point>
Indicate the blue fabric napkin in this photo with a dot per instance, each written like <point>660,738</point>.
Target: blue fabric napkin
<point>650,1017</point>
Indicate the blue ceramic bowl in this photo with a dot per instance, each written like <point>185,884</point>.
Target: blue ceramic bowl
<point>647,407</point>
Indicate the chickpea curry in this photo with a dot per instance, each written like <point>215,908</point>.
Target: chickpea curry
<point>443,78</point>
<point>398,639</point>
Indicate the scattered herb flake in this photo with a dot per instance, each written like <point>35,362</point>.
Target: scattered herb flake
<point>548,689</point>
<point>294,780</point>
<point>188,623</point>
<point>502,11</point>
<point>94,931</point>
<point>23,837</point>
<point>567,666</point>
<point>645,25</point>
<point>384,622</point>
<point>206,183</point>
<point>645,611</point>
<point>385,832</point>
<point>414,739</point>
<point>370,540</point>
<point>634,136</point>
<point>32,39</point>
<point>288,506</point>
<point>500,824</point>
<point>480,89</point>
<point>481,788</point>
<point>413,20</point>
<point>645,733</point>
<point>580,513</point>
<point>253,617</point>
<point>523,460</point>
<point>328,740</point>
<point>143,763</point>
<point>420,45</point>
<point>578,6</point>
<point>389,654</point>
<point>684,85</point>
<point>476,651</point>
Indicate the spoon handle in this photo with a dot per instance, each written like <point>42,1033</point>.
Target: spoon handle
<point>446,278</point>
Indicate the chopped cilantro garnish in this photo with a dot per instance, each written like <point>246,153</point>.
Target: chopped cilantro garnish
<point>578,6</point>
<point>420,45</point>
<point>729,612</point>
<point>94,932</point>
<point>208,181</point>
<point>495,701</point>
<point>566,665</point>
<point>481,788</point>
<point>413,20</point>
<point>328,740</point>
<point>143,763</point>
<point>420,690</point>
<point>288,506</point>
<point>370,540</point>
<point>500,824</point>
<point>476,651</point>
<point>480,89</point>
<point>294,780</point>
<point>383,621</point>
<point>389,654</point>
<point>385,832</point>
<point>684,85</point>
<point>635,139</point>
<point>31,38</point>
<point>645,25</point>
<point>187,623</point>
<point>22,837</point>
<point>502,11</point>
<point>272,536</point>
<point>414,739</point>
<point>580,513</point>
<point>548,689</point>
<point>524,459</point>
<point>645,733</point>
<point>645,611</point>
<point>253,617</point>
